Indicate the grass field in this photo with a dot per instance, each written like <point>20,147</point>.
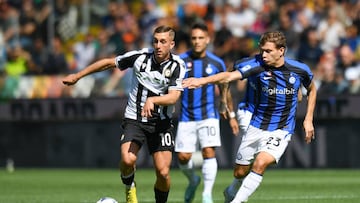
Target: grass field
<point>80,186</point>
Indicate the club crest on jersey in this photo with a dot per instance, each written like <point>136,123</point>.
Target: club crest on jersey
<point>292,80</point>
<point>167,73</point>
<point>208,69</point>
<point>238,156</point>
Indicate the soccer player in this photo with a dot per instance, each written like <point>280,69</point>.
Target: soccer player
<point>155,89</point>
<point>199,117</point>
<point>244,113</point>
<point>278,80</point>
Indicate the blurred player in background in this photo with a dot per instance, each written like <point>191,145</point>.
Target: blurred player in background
<point>277,80</point>
<point>155,89</point>
<point>199,117</point>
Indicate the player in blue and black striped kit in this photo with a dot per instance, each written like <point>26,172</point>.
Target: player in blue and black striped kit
<point>199,116</point>
<point>277,80</point>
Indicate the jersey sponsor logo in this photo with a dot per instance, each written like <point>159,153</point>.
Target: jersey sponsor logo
<point>274,91</point>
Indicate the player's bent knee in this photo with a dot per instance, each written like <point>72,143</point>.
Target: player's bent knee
<point>163,174</point>
<point>128,161</point>
<point>260,167</point>
<point>240,171</point>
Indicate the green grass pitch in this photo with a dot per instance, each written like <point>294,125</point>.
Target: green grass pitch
<point>82,186</point>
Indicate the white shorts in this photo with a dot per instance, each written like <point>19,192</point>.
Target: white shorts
<point>191,134</point>
<point>243,118</point>
<point>256,140</point>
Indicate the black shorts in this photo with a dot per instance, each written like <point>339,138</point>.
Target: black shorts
<point>158,135</point>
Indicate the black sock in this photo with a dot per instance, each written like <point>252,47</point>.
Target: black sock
<point>128,180</point>
<point>160,196</point>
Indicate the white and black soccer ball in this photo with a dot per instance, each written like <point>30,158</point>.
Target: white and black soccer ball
<point>106,200</point>
<point>197,159</point>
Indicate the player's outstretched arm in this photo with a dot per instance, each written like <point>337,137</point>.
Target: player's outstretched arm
<point>308,121</point>
<point>233,122</point>
<point>223,107</point>
<point>220,78</point>
<point>97,66</point>
<point>226,108</point>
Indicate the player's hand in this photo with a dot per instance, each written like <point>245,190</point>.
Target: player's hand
<point>70,79</point>
<point>191,83</point>
<point>223,110</point>
<point>234,126</point>
<point>148,108</point>
<point>309,131</point>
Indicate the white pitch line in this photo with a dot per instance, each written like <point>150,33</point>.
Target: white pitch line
<point>309,197</point>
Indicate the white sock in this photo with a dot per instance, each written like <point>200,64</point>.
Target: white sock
<point>188,170</point>
<point>209,171</point>
<point>234,186</point>
<point>249,185</point>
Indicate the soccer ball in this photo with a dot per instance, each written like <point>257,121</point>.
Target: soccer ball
<point>106,200</point>
<point>197,159</point>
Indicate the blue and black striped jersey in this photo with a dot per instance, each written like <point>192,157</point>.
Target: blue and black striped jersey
<point>277,89</point>
<point>199,104</point>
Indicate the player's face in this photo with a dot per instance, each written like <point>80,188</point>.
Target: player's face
<point>162,43</point>
<point>199,41</point>
<point>271,55</point>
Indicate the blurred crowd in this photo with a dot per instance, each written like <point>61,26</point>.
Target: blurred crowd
<point>41,40</point>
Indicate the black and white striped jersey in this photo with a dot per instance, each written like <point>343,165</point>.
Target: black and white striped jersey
<point>150,79</point>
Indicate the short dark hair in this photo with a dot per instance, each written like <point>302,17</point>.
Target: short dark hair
<point>163,28</point>
<point>276,37</point>
<point>201,26</point>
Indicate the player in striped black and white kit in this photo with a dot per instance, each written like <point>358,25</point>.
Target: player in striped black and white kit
<point>155,89</point>
<point>277,81</point>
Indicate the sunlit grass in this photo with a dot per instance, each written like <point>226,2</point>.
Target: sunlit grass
<point>79,185</point>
